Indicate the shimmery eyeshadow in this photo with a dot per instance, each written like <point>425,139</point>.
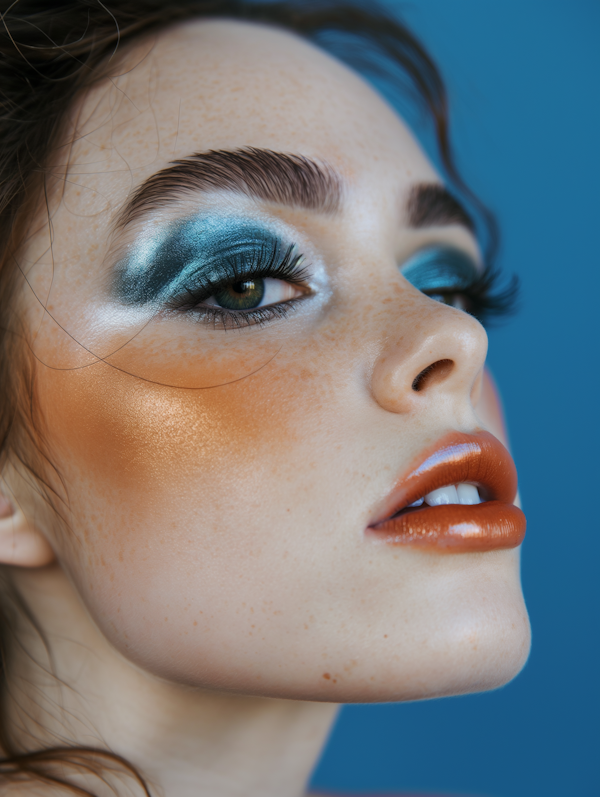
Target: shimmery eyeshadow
<point>440,269</point>
<point>195,248</point>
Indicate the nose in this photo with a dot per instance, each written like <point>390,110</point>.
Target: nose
<point>440,359</point>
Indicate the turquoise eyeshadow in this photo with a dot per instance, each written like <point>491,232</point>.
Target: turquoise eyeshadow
<point>440,270</point>
<point>199,250</point>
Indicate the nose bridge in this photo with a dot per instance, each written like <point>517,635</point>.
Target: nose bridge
<point>441,356</point>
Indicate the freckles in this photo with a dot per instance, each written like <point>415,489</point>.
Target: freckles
<point>183,362</point>
<point>129,437</point>
<point>128,433</point>
<point>157,472</point>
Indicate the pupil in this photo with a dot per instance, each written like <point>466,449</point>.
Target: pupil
<point>241,295</point>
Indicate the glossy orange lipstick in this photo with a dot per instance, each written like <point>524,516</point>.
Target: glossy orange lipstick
<point>479,459</point>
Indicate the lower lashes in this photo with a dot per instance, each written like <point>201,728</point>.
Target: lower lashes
<point>220,318</point>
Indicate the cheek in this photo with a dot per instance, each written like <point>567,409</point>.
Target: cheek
<point>179,498</point>
<point>167,421</point>
<point>139,442</point>
<point>148,465</point>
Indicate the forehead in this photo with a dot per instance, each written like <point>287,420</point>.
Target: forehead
<point>222,85</point>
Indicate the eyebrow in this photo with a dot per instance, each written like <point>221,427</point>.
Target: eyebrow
<point>278,177</point>
<point>258,173</point>
<point>432,205</point>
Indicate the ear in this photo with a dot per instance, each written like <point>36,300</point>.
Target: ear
<point>21,542</point>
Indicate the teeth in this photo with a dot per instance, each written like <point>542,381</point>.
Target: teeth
<point>418,502</point>
<point>444,495</point>
<point>466,494</point>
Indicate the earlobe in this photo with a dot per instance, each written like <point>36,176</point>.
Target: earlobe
<point>21,542</point>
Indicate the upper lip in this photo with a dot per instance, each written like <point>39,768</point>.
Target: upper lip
<point>478,458</point>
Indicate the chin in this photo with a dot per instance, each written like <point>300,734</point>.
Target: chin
<point>478,640</point>
<point>479,650</point>
<point>476,652</point>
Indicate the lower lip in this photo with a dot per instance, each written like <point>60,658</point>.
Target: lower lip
<point>454,528</point>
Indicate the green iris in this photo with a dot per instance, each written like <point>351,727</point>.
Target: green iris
<point>241,295</point>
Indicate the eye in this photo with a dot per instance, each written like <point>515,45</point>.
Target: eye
<point>253,294</point>
<point>451,276</point>
<point>445,274</point>
<point>247,277</point>
<point>457,300</point>
<point>224,270</point>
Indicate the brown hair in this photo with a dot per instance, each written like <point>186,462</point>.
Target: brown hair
<point>48,54</point>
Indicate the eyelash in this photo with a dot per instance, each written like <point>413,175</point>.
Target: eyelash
<point>268,261</point>
<point>485,299</point>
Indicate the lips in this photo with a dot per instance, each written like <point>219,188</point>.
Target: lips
<point>477,459</point>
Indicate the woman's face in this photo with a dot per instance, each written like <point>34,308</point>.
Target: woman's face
<point>226,368</point>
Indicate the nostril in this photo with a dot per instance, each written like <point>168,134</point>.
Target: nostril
<point>436,372</point>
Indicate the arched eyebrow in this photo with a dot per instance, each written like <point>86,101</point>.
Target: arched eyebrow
<point>432,205</point>
<point>278,177</point>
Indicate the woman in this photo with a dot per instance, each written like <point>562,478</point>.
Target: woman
<point>252,460</point>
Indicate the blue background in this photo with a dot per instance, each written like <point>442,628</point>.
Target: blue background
<point>523,78</point>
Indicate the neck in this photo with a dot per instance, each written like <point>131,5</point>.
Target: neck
<point>184,741</point>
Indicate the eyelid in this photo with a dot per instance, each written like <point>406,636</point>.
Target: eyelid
<point>447,270</point>
<point>197,249</point>
<point>284,266</point>
<point>440,267</point>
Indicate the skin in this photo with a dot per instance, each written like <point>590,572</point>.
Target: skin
<point>215,535</point>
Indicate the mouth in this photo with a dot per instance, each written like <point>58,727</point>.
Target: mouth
<point>457,498</point>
